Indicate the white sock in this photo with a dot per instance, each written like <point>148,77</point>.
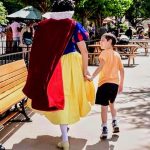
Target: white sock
<point>114,118</point>
<point>104,125</point>
<point>63,128</point>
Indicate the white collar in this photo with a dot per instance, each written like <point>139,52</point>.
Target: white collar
<point>58,15</point>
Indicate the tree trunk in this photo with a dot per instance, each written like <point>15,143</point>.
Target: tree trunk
<point>98,23</point>
<point>100,19</point>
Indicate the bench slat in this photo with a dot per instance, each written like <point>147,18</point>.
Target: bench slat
<point>13,79</point>
<point>13,84</point>
<point>11,67</point>
<point>10,91</point>
<point>13,74</point>
<point>7,102</point>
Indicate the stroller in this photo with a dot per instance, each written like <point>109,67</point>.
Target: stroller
<point>123,40</point>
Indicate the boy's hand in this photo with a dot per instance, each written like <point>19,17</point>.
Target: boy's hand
<point>120,89</point>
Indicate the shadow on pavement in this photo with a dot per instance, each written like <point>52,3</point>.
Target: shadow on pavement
<point>104,144</point>
<point>135,95</point>
<point>137,115</point>
<point>13,126</point>
<point>47,142</point>
<point>138,112</point>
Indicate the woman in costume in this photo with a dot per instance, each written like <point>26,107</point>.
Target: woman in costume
<point>71,68</point>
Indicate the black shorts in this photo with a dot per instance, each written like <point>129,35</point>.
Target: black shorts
<point>106,93</point>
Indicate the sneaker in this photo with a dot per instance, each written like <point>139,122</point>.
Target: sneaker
<point>63,145</point>
<point>104,133</point>
<point>115,126</point>
<point>1,147</point>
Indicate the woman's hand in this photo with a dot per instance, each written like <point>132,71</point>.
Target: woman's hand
<point>88,77</point>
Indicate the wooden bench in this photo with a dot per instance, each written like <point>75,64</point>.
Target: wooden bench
<point>12,100</point>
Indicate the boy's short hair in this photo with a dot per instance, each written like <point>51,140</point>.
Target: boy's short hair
<point>110,36</point>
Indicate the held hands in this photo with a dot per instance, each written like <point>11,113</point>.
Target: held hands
<point>88,77</point>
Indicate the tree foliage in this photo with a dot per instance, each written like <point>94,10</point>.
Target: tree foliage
<point>90,9</point>
<point>12,5</point>
<point>102,8</point>
<point>116,7</point>
<point>3,14</point>
<point>107,7</point>
<point>139,9</point>
<point>42,5</point>
<point>15,5</point>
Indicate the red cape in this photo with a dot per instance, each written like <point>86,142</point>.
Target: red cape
<point>44,74</point>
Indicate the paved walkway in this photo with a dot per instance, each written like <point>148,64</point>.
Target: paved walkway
<point>133,114</point>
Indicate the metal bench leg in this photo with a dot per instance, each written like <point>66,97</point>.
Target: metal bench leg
<point>23,110</point>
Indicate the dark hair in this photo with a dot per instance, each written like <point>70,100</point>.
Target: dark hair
<point>110,36</point>
<point>62,5</point>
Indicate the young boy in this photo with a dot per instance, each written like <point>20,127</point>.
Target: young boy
<point>110,82</point>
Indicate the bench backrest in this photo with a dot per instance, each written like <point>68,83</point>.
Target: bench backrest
<point>12,78</point>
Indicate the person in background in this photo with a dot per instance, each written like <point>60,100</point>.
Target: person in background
<point>1,31</point>
<point>141,34</point>
<point>26,38</point>
<point>102,30</point>
<point>9,39</point>
<point>129,33</point>
<point>16,28</point>
<point>111,78</point>
<point>91,31</point>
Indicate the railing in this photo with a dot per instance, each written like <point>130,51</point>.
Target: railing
<point>8,58</point>
<point>9,54</point>
<point>11,51</point>
<point>7,47</point>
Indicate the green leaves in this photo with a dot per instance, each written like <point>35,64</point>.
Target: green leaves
<point>106,7</point>
<point>3,14</point>
<point>138,9</point>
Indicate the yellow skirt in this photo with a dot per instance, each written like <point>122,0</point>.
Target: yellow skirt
<point>79,94</point>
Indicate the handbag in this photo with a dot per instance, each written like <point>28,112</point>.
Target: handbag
<point>27,41</point>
